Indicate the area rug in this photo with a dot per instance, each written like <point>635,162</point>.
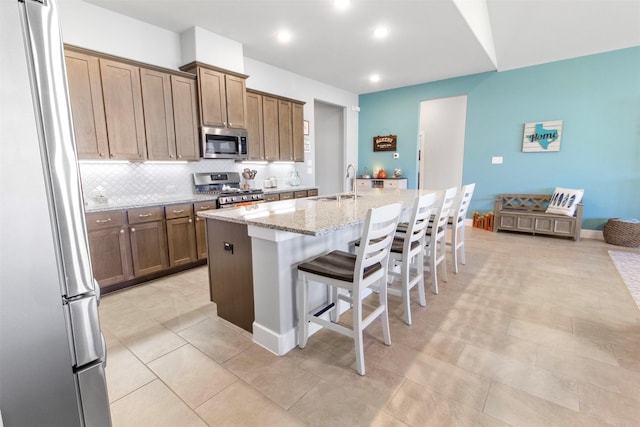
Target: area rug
<point>628,265</point>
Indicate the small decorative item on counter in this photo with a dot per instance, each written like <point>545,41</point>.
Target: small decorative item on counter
<point>249,175</point>
<point>274,181</point>
<point>382,174</point>
<point>99,195</point>
<point>397,173</point>
<point>365,173</point>
<point>294,178</point>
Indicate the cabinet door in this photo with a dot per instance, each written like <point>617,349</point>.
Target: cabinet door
<point>284,130</point>
<point>270,128</point>
<point>149,248</point>
<point>300,194</point>
<point>185,117</point>
<point>181,239</point>
<point>110,255</point>
<point>297,131</point>
<point>158,115</point>
<point>236,102</point>
<point>87,106</point>
<point>201,235</point>
<point>254,126</point>
<point>363,183</point>
<point>123,110</point>
<point>286,196</point>
<point>213,109</point>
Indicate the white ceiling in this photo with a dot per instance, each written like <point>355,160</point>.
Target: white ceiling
<point>428,40</point>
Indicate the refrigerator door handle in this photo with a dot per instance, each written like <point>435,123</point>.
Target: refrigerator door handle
<point>88,345</point>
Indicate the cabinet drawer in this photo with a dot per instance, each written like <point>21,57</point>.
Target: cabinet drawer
<point>178,211</point>
<point>137,216</point>
<point>204,206</point>
<point>101,220</point>
<point>286,196</point>
<point>313,192</point>
<point>271,197</point>
<point>300,194</point>
<point>363,183</point>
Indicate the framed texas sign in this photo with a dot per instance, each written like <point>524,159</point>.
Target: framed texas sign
<point>540,137</point>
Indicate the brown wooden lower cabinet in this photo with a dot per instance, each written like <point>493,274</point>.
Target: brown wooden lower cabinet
<point>148,247</point>
<point>181,239</point>
<point>231,272</point>
<point>108,237</point>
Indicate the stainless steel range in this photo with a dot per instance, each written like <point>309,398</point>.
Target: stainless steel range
<point>226,185</point>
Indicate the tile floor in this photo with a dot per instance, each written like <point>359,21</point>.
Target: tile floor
<point>533,331</point>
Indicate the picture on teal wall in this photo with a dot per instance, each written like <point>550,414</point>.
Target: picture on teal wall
<point>385,143</point>
<point>540,137</point>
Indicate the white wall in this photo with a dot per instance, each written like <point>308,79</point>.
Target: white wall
<point>95,28</point>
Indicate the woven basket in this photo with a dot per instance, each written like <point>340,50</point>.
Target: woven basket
<point>622,233</point>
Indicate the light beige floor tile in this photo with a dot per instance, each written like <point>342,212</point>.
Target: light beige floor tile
<point>606,332</point>
<point>181,321</point>
<point>416,405</point>
<point>152,342</point>
<point>613,378</point>
<point>125,372</point>
<point>153,405</point>
<point>519,408</point>
<point>554,338</point>
<point>241,405</point>
<point>452,381</point>
<point>278,378</point>
<point>613,408</point>
<point>354,401</point>
<point>192,375</point>
<point>535,381</point>
<point>216,339</point>
<point>628,355</point>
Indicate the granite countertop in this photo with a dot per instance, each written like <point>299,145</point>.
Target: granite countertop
<point>314,215</point>
<point>141,201</point>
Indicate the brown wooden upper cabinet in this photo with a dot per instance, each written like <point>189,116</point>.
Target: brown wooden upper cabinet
<point>222,96</point>
<point>87,106</point>
<point>275,127</point>
<point>123,110</point>
<point>170,116</point>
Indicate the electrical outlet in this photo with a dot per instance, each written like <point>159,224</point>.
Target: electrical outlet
<point>496,160</point>
<point>396,155</point>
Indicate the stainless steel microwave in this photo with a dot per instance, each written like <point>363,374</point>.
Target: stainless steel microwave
<point>223,143</point>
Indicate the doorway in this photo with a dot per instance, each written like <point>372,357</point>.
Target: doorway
<point>329,147</point>
<point>442,132</point>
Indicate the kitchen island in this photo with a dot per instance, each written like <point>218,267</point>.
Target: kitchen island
<point>283,234</point>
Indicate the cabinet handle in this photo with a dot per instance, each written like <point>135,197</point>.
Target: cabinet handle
<point>190,220</point>
<point>177,212</point>
<point>171,156</point>
<point>198,219</point>
<point>133,230</point>
<point>102,221</point>
<point>144,215</point>
<point>179,156</point>
<point>121,231</point>
<point>204,208</point>
<point>101,154</point>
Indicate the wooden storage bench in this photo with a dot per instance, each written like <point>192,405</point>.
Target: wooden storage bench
<point>526,213</point>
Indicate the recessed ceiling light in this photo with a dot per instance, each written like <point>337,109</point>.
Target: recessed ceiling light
<point>380,32</point>
<point>341,4</point>
<point>374,78</point>
<point>284,36</point>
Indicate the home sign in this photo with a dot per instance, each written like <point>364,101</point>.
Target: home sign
<point>385,143</point>
<point>542,137</point>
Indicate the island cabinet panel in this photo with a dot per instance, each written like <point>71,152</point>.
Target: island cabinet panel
<point>185,115</point>
<point>158,115</point>
<point>148,240</point>
<point>201,233</point>
<point>297,131</point>
<point>270,128</point>
<point>87,105</point>
<point>108,237</point>
<point>284,130</point>
<point>231,272</point>
<point>123,110</point>
<point>181,234</point>
<point>255,126</point>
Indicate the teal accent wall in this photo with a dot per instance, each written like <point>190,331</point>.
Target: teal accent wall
<point>597,97</point>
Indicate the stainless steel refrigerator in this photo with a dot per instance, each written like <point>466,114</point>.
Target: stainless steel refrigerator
<point>52,352</point>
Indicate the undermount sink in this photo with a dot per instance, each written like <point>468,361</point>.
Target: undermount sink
<point>337,197</point>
